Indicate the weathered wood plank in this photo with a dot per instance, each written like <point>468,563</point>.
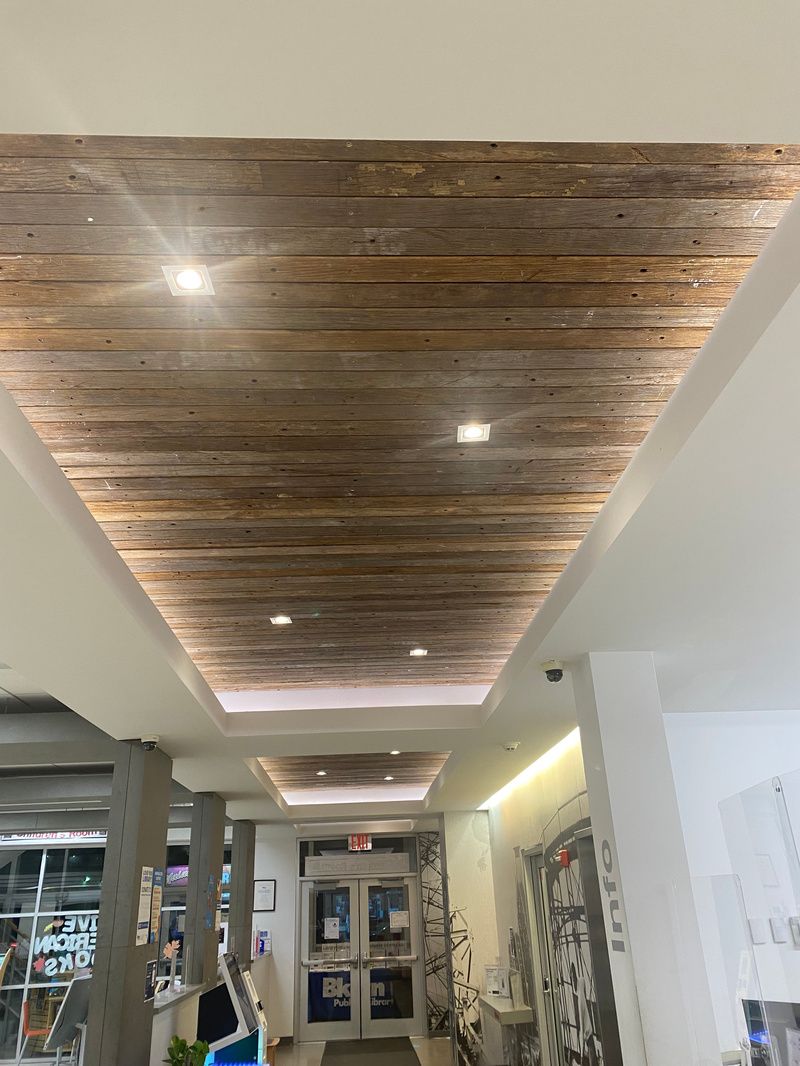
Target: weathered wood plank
<point>283,241</point>
<point>65,209</point>
<point>206,148</point>
<point>345,340</point>
<point>245,380</point>
<point>104,489</point>
<point>339,318</point>
<point>254,397</point>
<point>399,506</point>
<point>89,294</point>
<point>588,359</point>
<point>78,175</point>
<point>431,269</point>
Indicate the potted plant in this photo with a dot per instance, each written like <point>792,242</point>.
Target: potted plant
<point>182,1053</point>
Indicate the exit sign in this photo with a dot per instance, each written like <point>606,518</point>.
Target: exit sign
<point>359,842</point>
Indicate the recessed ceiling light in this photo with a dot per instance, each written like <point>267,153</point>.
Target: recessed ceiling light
<point>185,280</point>
<point>322,773</point>
<point>90,219</point>
<point>395,752</point>
<point>473,431</point>
<point>388,778</point>
<point>280,619</point>
<point>418,652</point>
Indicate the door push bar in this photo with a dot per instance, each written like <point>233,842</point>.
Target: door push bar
<point>328,963</point>
<point>368,960</point>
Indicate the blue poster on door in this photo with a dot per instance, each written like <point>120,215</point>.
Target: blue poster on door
<point>329,996</point>
<point>391,994</point>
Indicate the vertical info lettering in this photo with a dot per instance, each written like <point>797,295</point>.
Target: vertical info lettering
<point>612,899</point>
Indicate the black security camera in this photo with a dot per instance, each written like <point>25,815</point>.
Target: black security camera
<point>553,670</point>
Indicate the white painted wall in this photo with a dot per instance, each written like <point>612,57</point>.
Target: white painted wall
<point>703,70</point>
<point>518,822</point>
<point>469,879</point>
<point>715,756</point>
<point>274,977</point>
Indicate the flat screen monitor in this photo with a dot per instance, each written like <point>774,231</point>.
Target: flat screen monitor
<point>771,1026</point>
<point>74,1011</point>
<point>230,1011</point>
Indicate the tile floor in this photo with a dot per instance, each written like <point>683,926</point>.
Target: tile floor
<point>429,1052</point>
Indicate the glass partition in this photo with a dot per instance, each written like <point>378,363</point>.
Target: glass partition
<point>761,826</point>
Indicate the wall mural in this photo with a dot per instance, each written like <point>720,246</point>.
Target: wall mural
<point>437,966</point>
<point>574,980</point>
<point>469,1041</point>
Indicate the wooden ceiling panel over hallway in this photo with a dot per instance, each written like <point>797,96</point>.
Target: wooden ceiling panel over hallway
<point>287,445</point>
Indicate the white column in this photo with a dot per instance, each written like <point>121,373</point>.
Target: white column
<point>658,971</point>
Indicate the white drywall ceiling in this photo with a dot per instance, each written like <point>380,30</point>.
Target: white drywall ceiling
<point>688,70</point>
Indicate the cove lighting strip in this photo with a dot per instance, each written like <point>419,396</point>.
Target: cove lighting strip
<point>542,763</point>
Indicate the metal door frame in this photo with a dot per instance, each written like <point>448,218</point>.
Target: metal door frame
<point>310,1032</point>
<point>372,1029</point>
<point>360,1023</point>
<point>546,1000</point>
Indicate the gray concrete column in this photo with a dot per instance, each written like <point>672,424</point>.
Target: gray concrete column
<point>206,850</point>
<point>240,916</point>
<point>120,1022</point>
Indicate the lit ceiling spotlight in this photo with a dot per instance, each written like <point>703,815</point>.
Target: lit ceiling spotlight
<point>395,752</point>
<point>474,431</point>
<point>188,280</point>
<point>418,652</point>
<point>280,619</point>
<point>322,773</point>
<point>388,778</point>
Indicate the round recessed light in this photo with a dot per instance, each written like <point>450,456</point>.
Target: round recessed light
<point>473,432</point>
<point>189,279</point>
<point>90,219</point>
<point>280,620</point>
<point>395,752</point>
<point>322,773</point>
<point>388,778</point>
<point>418,652</point>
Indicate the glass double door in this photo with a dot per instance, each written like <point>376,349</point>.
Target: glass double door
<point>361,974</point>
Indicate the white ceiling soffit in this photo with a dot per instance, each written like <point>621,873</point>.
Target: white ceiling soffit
<point>686,71</point>
<point>312,699</point>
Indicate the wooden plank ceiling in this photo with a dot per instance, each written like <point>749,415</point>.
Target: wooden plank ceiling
<point>301,773</point>
<point>289,444</point>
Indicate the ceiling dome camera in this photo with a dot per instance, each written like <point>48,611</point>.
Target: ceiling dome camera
<point>553,670</point>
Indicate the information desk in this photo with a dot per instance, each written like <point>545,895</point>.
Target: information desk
<point>173,1012</point>
<point>504,1012</point>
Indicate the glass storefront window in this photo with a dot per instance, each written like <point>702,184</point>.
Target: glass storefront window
<point>49,901</point>
<point>72,878</point>
<point>63,947</point>
<point>49,904</point>
<point>19,879</point>
<point>10,1019</point>
<point>16,933</point>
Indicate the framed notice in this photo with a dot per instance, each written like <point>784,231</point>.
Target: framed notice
<point>264,895</point>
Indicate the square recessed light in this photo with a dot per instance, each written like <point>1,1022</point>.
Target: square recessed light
<point>188,279</point>
<point>418,652</point>
<point>474,431</point>
<point>280,619</point>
